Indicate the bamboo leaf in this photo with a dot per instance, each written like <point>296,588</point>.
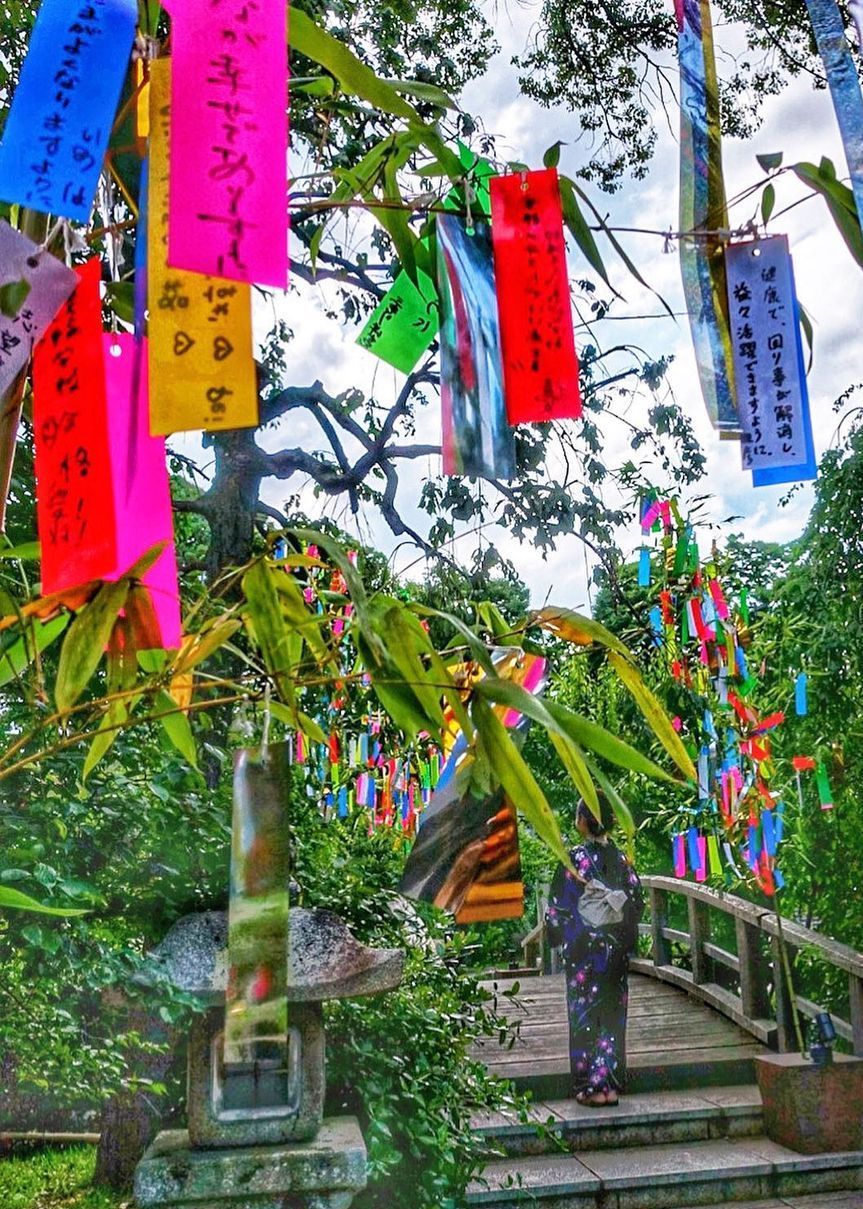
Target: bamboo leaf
<point>13,295</point>
<point>198,647</point>
<point>621,811</point>
<point>85,642</point>
<point>580,231</point>
<point>516,779</point>
<point>268,627</point>
<point>177,727</point>
<point>573,627</point>
<point>808,334</point>
<point>103,740</point>
<point>840,202</point>
<point>18,656</point>
<point>16,900</point>
<point>768,202</point>
<point>603,743</point>
<point>425,92</point>
<point>655,716</point>
<point>26,552</point>
<point>477,648</point>
<point>572,758</point>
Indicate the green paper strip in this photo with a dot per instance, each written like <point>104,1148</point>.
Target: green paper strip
<point>825,793</point>
<point>407,319</point>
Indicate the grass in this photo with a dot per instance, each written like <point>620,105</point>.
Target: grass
<point>55,1179</point>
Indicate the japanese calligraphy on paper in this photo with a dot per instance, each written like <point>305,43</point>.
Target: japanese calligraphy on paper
<point>771,387</point>
<point>229,140</point>
<point>201,365</point>
<point>539,361</point>
<point>63,109</point>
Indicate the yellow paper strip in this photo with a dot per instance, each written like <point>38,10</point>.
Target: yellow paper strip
<point>202,372</point>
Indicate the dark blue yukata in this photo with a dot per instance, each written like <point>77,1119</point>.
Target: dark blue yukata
<point>596,965</point>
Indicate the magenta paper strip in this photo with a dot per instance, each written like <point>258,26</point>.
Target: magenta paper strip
<point>229,140</point>
<point>142,497</point>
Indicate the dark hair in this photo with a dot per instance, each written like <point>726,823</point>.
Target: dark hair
<point>597,826</point>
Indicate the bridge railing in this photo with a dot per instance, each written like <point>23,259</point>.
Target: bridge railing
<point>747,984</point>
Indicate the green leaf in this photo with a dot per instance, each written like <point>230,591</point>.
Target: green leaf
<point>26,552</point>
<point>769,163</point>
<point>425,92</point>
<point>313,86</point>
<point>808,334</point>
<point>85,642</point>
<point>572,758</point>
<point>120,296</point>
<point>13,295</point>
<point>268,627</point>
<point>840,202</point>
<point>20,654</point>
<point>103,740</point>
<point>602,742</point>
<point>516,779</point>
<point>621,811</point>
<point>768,203</point>
<point>300,617</point>
<point>476,647</point>
<point>580,231</point>
<point>18,901</point>
<point>655,716</point>
<point>551,158</point>
<point>177,727</point>
<point>615,243</point>
<point>574,627</point>
<point>406,642</point>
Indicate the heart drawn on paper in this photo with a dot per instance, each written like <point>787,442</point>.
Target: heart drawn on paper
<point>222,348</point>
<point>182,343</point>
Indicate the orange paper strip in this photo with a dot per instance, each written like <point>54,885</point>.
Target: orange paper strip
<point>202,371</point>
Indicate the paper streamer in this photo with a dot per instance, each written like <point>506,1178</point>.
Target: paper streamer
<point>715,860</point>
<point>50,284</point>
<point>75,505</point>
<point>768,362</point>
<point>703,208</point>
<point>476,437</point>
<point>229,140</point>
<point>801,695</point>
<point>822,781</point>
<point>142,494</point>
<point>644,568</point>
<point>539,360</point>
<point>692,848</point>
<point>829,29</point>
<point>679,856</point>
<point>201,365</point>
<point>63,109</point>
<point>701,871</point>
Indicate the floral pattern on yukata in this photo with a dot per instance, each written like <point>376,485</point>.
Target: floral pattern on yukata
<point>596,965</point>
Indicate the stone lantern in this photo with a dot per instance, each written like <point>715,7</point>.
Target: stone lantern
<point>257,1137</point>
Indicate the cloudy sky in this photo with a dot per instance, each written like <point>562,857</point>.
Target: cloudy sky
<point>800,123</point>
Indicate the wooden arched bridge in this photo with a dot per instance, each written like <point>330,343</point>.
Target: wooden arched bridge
<point>710,998</point>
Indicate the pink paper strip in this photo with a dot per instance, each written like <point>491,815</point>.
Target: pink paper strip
<point>719,600</point>
<point>229,140</point>
<point>142,496</point>
<point>701,871</point>
<point>650,515</point>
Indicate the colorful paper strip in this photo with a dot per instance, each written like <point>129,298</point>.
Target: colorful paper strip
<point>201,365</point>
<point>63,109</point>
<point>539,359</point>
<point>46,284</point>
<point>703,209</point>
<point>75,506</point>
<point>229,141</point>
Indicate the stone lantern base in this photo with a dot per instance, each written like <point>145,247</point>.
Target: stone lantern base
<point>326,1173</point>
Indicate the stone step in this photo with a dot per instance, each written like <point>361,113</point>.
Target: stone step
<point>670,1176</point>
<point>638,1120</point>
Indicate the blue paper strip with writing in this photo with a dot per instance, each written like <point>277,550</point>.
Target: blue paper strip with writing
<point>829,29</point>
<point>768,362</point>
<point>63,109</point>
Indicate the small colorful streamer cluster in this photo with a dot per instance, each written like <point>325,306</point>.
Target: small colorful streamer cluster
<point>704,637</point>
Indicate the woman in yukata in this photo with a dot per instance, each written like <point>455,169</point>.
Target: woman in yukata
<point>596,960</point>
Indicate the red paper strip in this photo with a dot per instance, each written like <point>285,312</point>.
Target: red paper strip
<point>539,359</point>
<point>803,763</point>
<point>74,509</point>
<point>770,722</point>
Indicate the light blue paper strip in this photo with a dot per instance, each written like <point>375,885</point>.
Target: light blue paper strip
<point>829,30</point>
<point>63,109</point>
<point>656,625</point>
<point>768,832</point>
<point>644,568</point>
<point>801,703</point>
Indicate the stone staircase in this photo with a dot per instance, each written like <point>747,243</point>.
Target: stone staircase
<point>657,1150</point>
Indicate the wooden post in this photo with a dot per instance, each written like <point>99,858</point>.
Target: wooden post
<point>753,983</point>
<point>855,994</point>
<point>785,1009</point>
<point>699,932</point>
<point>659,920</point>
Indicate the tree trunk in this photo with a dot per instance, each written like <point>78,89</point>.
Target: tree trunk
<point>128,1126</point>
